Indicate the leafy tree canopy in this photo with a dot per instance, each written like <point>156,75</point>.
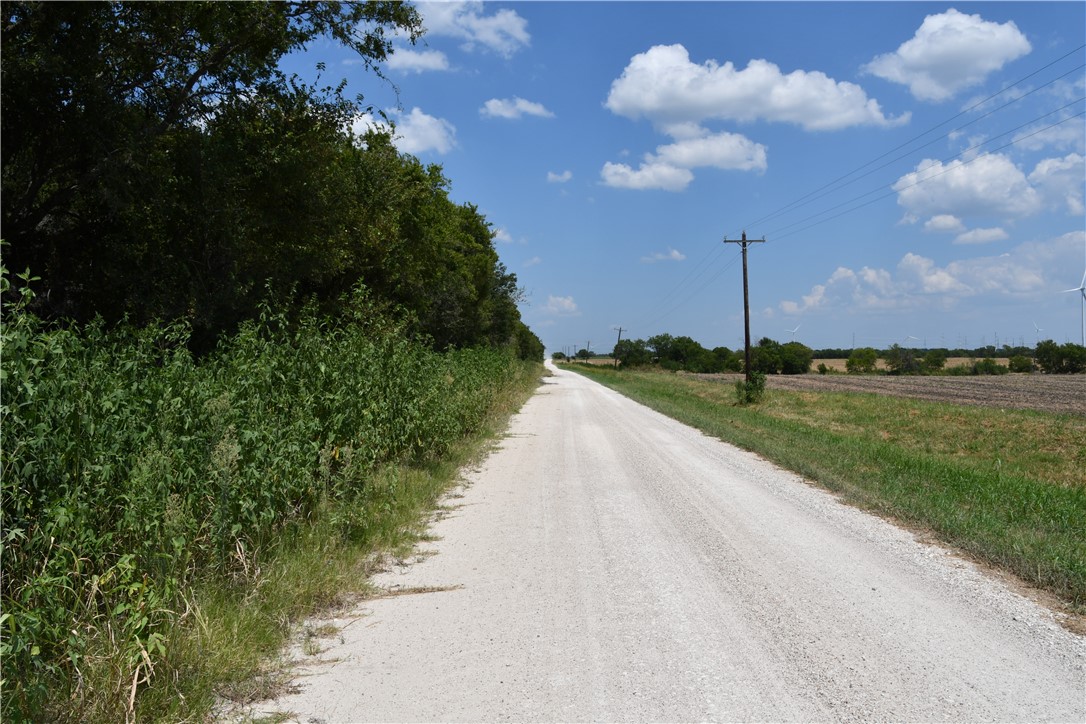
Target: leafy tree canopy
<point>158,165</point>
<point>862,360</point>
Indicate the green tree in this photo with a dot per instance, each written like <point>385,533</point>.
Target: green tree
<point>796,358</point>
<point>765,357</point>
<point>1055,358</point>
<point>1020,363</point>
<point>688,354</point>
<point>727,360</point>
<point>632,353</point>
<point>157,165</point>
<point>104,102</point>
<point>933,361</point>
<point>862,360</point>
<point>661,346</point>
<point>528,345</point>
<point>901,360</point>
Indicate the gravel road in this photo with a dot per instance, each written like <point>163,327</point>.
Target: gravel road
<point>609,564</point>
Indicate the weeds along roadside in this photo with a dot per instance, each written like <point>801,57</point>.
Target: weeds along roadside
<point>147,495</point>
<point>1002,485</point>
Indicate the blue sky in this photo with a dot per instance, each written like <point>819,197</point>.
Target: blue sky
<point>916,168</point>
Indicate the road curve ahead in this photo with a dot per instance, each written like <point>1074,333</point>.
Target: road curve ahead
<point>609,564</point>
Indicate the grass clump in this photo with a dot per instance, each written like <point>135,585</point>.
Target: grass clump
<point>166,517</point>
<point>1003,485</point>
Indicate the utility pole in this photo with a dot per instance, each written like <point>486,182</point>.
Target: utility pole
<point>746,299</point>
<point>616,346</point>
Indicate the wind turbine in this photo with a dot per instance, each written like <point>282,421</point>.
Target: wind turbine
<point>1039,330</point>
<point>793,331</point>
<point>1081,289</point>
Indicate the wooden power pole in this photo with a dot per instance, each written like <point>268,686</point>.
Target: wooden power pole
<point>746,299</point>
<point>620,330</point>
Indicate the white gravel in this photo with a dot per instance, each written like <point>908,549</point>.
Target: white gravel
<point>610,564</point>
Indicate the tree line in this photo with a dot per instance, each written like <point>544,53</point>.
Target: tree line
<point>685,353</point>
<point>158,166</point>
<point>771,357</point>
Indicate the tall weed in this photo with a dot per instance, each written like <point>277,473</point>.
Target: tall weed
<point>130,469</point>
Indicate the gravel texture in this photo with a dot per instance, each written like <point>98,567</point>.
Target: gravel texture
<point>609,564</point>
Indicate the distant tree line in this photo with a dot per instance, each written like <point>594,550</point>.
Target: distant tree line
<point>1049,357</point>
<point>771,357</point>
<point>158,166</point>
<point>685,353</point>
<point>972,353</point>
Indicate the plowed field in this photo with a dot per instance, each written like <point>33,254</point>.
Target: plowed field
<point>1048,393</point>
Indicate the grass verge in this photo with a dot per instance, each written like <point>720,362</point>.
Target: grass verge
<point>224,647</point>
<point>1005,486</point>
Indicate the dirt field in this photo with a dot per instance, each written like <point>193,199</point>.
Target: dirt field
<point>1048,393</point>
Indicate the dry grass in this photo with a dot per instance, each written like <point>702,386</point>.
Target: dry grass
<point>838,365</point>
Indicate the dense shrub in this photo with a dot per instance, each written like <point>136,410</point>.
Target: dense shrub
<point>985,366</point>
<point>988,366</point>
<point>129,467</point>
<point>1020,363</point>
<point>862,360</point>
<point>765,357</point>
<point>749,392</point>
<point>934,361</point>
<point>901,360</point>
<point>1066,358</point>
<point>795,358</point>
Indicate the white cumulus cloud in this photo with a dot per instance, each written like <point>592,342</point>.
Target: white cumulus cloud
<point>1060,180</point>
<point>670,255</point>
<point>559,178</point>
<point>503,32</point>
<point>920,283</point>
<point>1066,136</point>
<point>944,223</point>
<point>417,132</point>
<point>562,306</point>
<point>649,176</point>
<point>665,86</point>
<point>721,150</point>
<point>950,52</point>
<point>513,108</point>
<point>669,168</point>
<point>417,61</point>
<point>981,236</point>
<point>414,133</point>
<point>988,185</point>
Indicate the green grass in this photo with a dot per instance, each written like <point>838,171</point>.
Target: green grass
<point>1005,486</point>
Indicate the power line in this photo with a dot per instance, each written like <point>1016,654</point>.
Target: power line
<point>692,293</point>
<point>831,187</point>
<point>700,268</point>
<point>780,233</point>
<point>933,128</point>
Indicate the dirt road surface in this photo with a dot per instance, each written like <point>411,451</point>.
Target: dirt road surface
<point>609,564</point>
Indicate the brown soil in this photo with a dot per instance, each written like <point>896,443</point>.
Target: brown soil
<point>1047,393</point>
